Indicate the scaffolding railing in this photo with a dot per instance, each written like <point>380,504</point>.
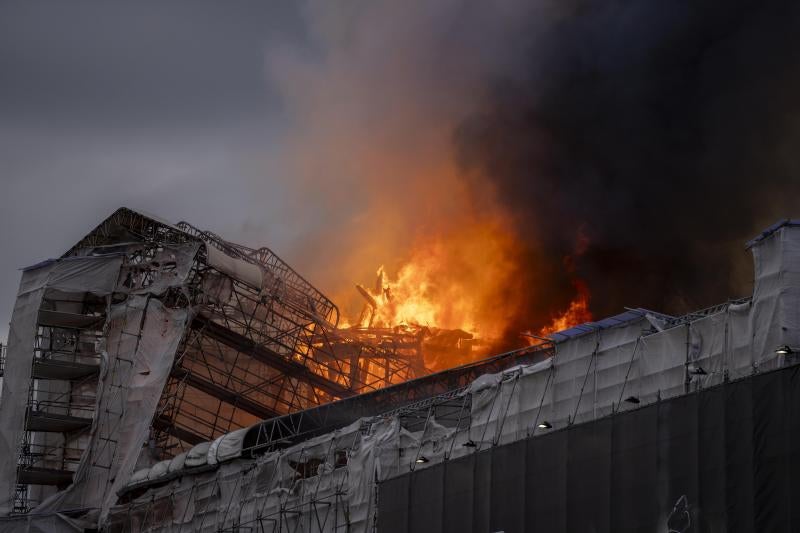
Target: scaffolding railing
<point>249,353</point>
<point>407,397</point>
<point>262,352</point>
<point>301,292</point>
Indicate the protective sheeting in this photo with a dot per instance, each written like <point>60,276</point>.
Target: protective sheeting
<point>236,268</point>
<point>311,483</point>
<point>775,313</point>
<point>537,450</point>
<point>177,463</point>
<point>97,275</point>
<point>139,476</point>
<point>169,267</point>
<point>141,341</point>
<point>227,447</point>
<point>720,460</point>
<point>40,523</point>
<point>588,378</point>
<point>506,406</point>
<point>158,470</point>
<point>197,456</point>
<point>16,378</point>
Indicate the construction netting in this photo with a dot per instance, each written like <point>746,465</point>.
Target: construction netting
<point>723,459</point>
<point>97,276</point>
<point>131,339</point>
<point>668,382</point>
<point>643,367</point>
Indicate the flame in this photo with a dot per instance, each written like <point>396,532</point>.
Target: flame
<point>449,282</point>
<point>372,148</point>
<point>463,281</point>
<point>577,312</point>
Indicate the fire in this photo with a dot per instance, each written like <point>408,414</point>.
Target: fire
<point>416,298</point>
<point>462,282</point>
<point>450,282</point>
<point>577,312</point>
<point>391,185</point>
<point>461,289</point>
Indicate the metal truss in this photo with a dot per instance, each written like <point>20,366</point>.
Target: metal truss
<point>688,318</point>
<point>312,509</point>
<point>251,353</point>
<point>269,357</point>
<point>61,395</point>
<point>406,399</point>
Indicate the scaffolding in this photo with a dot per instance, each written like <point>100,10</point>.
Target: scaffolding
<point>62,394</point>
<point>343,466</point>
<point>259,342</point>
<point>261,348</point>
<point>319,475</point>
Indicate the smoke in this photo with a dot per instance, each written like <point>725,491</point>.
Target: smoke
<point>664,134</point>
<point>631,145</point>
<point>373,107</point>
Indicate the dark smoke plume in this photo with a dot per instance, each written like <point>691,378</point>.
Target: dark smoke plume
<point>644,142</point>
<point>533,147</point>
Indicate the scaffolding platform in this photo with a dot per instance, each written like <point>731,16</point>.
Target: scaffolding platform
<point>55,423</point>
<point>210,336</point>
<point>43,476</point>
<point>60,319</point>
<point>52,369</point>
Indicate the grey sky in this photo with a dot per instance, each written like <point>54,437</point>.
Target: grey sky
<point>321,129</point>
<point>337,132</point>
<point>162,106</point>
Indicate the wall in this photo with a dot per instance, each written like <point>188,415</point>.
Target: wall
<point>723,459</point>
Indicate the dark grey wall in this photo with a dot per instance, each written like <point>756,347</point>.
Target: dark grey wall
<point>725,459</point>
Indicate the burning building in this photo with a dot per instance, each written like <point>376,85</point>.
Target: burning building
<point>149,332</point>
<point>160,378</point>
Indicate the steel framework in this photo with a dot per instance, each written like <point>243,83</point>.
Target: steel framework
<point>326,506</point>
<point>253,351</point>
<point>439,391</point>
<point>61,395</point>
<point>261,352</point>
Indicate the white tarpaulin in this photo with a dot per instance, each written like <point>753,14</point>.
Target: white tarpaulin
<point>135,369</point>
<point>598,371</point>
<point>236,268</point>
<point>16,379</point>
<point>140,336</point>
<point>327,483</point>
<point>227,446</point>
<point>198,455</point>
<point>97,275</point>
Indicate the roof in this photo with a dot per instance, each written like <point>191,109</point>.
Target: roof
<point>40,264</point>
<point>622,319</point>
<point>786,222</point>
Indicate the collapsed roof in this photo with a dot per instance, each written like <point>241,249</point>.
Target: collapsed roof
<point>255,409</point>
<point>148,332</point>
<point>603,369</point>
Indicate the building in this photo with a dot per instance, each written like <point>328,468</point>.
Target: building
<point>149,332</point>
<point>638,422</point>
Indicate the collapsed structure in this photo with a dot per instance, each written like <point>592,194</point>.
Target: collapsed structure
<point>149,332</point>
<point>533,439</point>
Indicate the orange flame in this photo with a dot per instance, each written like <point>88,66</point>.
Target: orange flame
<point>451,283</point>
<point>577,312</point>
<point>463,280</point>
